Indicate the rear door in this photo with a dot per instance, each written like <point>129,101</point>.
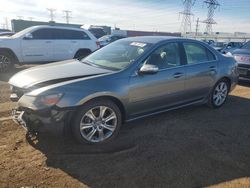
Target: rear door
<point>68,42</point>
<point>201,70</point>
<point>39,48</point>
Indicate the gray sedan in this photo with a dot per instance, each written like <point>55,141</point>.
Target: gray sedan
<point>126,80</point>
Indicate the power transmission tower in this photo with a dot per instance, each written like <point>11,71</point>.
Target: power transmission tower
<point>67,16</point>
<point>186,16</point>
<point>211,5</point>
<point>30,18</point>
<point>51,13</point>
<point>197,26</point>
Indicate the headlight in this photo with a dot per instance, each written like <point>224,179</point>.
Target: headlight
<point>39,102</point>
<point>49,100</point>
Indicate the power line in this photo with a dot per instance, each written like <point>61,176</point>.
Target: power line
<point>211,5</point>
<point>67,16</point>
<point>51,13</point>
<point>186,18</point>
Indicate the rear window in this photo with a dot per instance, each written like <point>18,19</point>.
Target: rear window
<point>66,34</point>
<point>197,53</point>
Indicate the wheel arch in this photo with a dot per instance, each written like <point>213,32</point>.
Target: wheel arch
<point>112,98</point>
<point>10,52</point>
<point>82,50</point>
<point>227,79</point>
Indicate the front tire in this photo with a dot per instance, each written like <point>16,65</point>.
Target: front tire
<point>97,122</point>
<point>219,94</point>
<point>6,62</point>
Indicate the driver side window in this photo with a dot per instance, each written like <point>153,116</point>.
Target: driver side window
<point>164,57</point>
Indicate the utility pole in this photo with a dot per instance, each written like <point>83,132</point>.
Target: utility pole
<point>30,18</point>
<point>67,16</point>
<point>51,13</point>
<point>197,26</point>
<point>6,22</point>
<point>211,5</point>
<point>186,16</point>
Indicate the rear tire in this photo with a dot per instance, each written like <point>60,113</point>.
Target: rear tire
<point>97,122</point>
<point>219,94</point>
<point>6,62</point>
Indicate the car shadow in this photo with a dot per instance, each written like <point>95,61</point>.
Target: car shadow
<point>191,147</point>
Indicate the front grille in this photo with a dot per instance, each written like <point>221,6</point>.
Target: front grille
<point>246,66</point>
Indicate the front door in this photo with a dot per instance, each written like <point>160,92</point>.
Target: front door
<point>149,93</point>
<point>39,48</point>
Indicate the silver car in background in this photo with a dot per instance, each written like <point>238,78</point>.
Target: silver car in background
<point>126,80</point>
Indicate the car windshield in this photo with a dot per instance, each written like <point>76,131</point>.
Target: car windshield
<point>117,55</point>
<point>246,46</point>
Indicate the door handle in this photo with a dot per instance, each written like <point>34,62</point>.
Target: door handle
<point>48,41</point>
<point>212,69</point>
<point>73,41</point>
<point>178,75</point>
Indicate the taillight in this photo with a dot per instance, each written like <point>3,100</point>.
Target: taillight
<point>97,44</point>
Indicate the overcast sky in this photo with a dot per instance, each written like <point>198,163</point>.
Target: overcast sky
<point>151,15</point>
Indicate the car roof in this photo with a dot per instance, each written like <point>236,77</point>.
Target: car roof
<point>155,39</point>
<point>58,27</point>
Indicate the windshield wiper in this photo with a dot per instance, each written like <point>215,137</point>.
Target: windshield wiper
<point>99,66</point>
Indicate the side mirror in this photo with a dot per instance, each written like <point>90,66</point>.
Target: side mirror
<point>148,69</point>
<point>28,36</point>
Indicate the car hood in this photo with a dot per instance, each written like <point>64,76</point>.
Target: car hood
<point>242,51</point>
<point>54,73</point>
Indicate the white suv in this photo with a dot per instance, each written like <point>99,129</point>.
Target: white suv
<point>40,44</point>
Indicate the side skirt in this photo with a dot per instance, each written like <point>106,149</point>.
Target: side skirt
<point>199,102</point>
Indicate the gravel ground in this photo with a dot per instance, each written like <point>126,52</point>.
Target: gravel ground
<point>190,147</point>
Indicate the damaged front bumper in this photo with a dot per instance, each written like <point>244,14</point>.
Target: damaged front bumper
<point>34,121</point>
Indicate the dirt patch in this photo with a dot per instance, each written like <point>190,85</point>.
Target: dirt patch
<point>4,92</point>
<point>191,147</point>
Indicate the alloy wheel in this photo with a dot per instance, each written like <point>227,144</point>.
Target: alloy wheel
<point>98,124</point>
<point>220,93</point>
<point>5,63</point>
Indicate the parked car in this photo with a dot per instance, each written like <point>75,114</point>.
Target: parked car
<point>4,34</point>
<point>126,80</point>
<point>218,46</point>
<point>5,30</point>
<point>107,39</point>
<point>45,44</point>
<point>231,46</point>
<point>242,56</point>
<point>98,32</point>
